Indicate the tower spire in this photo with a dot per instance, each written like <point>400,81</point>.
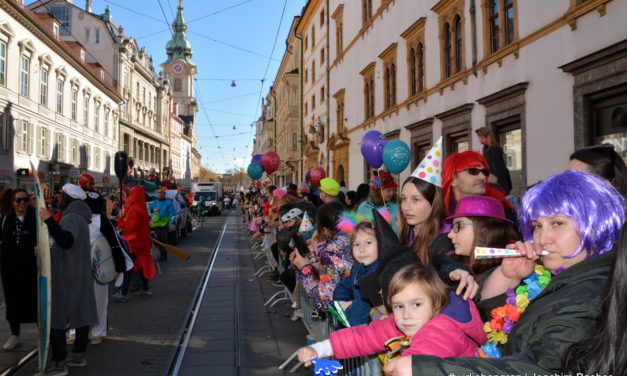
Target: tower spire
<point>179,48</point>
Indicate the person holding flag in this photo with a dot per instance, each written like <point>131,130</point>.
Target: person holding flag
<point>161,214</point>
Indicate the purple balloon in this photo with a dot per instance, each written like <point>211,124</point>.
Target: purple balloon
<point>257,158</point>
<point>372,145</point>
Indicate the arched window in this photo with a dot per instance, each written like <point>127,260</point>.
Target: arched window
<point>367,98</point>
<point>392,85</point>
<point>458,44</point>
<point>178,86</point>
<point>447,50</point>
<point>388,88</point>
<point>413,77</point>
<point>494,24</point>
<point>421,67</point>
<point>371,80</point>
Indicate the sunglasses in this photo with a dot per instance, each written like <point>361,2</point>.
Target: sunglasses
<point>476,171</point>
<point>21,199</point>
<point>458,225</point>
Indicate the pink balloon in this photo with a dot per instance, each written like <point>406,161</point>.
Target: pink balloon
<point>317,174</point>
<point>270,162</point>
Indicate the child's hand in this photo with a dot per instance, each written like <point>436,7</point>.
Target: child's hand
<point>345,305</point>
<point>44,214</point>
<point>399,367</point>
<point>298,260</point>
<point>520,267</point>
<point>466,281</point>
<point>305,354</point>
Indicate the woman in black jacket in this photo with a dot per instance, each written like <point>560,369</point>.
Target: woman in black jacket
<point>18,265</point>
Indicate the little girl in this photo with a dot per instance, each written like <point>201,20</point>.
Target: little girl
<point>426,315</point>
<point>365,253</point>
<point>480,221</point>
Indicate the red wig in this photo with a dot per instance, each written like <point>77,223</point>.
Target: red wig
<point>458,162</point>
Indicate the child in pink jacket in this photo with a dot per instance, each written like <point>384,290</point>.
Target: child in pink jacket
<point>435,321</point>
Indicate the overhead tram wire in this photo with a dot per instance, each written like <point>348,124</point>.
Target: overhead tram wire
<point>137,12</point>
<point>171,11</point>
<point>231,45</point>
<point>276,37</point>
<point>228,79</point>
<point>204,110</point>
<point>219,11</point>
<point>231,98</point>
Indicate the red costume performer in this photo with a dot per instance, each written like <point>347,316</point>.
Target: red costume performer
<point>136,226</point>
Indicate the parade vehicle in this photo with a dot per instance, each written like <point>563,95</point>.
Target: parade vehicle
<point>182,224</point>
<point>207,194</point>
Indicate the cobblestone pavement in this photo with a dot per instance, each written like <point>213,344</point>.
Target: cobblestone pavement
<point>234,333</point>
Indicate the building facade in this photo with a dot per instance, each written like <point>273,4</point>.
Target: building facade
<point>286,102</point>
<point>547,78</point>
<point>57,109</point>
<point>180,71</point>
<point>313,32</point>
<point>144,126</point>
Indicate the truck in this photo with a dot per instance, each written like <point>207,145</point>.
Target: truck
<point>208,194</point>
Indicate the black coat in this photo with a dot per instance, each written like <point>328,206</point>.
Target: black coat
<point>561,315</point>
<point>496,160</point>
<point>18,266</point>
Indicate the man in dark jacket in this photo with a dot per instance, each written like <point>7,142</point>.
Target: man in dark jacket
<point>73,302</point>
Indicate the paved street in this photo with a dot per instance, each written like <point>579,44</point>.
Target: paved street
<point>234,333</point>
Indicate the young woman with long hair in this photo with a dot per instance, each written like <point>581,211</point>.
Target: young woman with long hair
<point>420,221</point>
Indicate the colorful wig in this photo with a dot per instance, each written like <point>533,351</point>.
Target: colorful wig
<point>458,162</point>
<point>350,219</point>
<point>595,207</point>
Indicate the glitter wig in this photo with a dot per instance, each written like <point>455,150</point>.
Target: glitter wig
<point>595,207</point>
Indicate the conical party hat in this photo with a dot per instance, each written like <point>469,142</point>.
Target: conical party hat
<point>430,168</point>
<point>305,224</point>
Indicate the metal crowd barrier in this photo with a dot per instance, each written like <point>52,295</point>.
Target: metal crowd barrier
<point>267,251</point>
<point>320,329</point>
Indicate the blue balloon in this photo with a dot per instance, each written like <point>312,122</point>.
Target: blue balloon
<point>255,170</point>
<point>396,156</point>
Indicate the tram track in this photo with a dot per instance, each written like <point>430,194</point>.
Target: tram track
<point>186,332</point>
<point>21,362</point>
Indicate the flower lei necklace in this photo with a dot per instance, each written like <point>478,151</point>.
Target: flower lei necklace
<point>505,317</point>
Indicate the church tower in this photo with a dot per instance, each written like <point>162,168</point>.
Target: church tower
<point>181,72</point>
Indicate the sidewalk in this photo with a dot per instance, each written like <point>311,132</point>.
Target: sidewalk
<point>234,333</point>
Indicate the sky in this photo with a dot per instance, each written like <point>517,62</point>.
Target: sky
<point>232,40</point>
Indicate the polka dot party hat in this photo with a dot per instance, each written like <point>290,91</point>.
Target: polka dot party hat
<point>430,168</point>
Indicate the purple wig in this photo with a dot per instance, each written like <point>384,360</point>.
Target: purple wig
<point>595,207</point>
